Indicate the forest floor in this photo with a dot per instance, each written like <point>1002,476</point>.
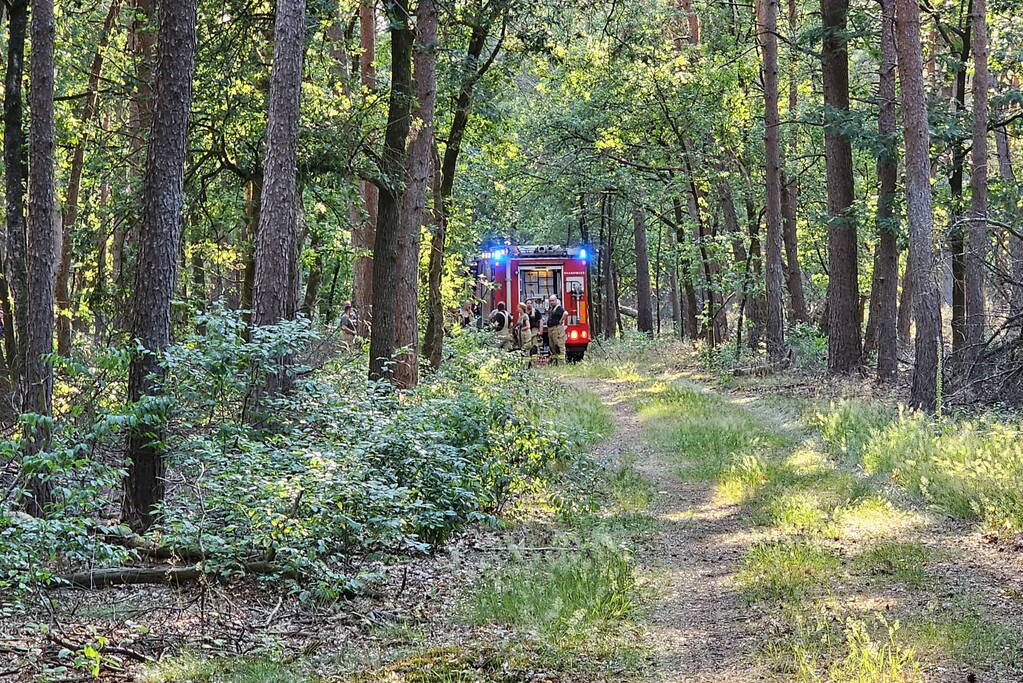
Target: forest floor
<point>709,536</point>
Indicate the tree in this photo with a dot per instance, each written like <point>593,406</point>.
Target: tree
<point>41,235</point>
<point>15,269</point>
<point>382,340</point>
<point>275,279</point>
<point>473,69</point>
<point>364,234</point>
<point>70,210</point>
<point>767,32</point>
<point>159,247</point>
<point>644,310</point>
<point>882,333</point>
<point>843,288</point>
<point>977,235</point>
<point>919,212</point>
<point>421,154</point>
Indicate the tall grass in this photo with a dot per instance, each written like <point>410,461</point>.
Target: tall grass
<point>970,467</point>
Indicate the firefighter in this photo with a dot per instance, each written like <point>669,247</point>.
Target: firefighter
<point>522,332</point>
<point>556,328</point>
<point>349,327</point>
<point>500,322</point>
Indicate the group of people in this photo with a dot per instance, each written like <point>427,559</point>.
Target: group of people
<point>531,326</point>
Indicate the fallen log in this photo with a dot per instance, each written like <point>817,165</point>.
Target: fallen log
<point>126,576</point>
<point>768,369</point>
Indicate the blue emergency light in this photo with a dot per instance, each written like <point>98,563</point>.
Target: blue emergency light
<point>582,254</point>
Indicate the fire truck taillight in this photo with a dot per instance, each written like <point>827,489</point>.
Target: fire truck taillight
<point>585,334</point>
<point>573,335</point>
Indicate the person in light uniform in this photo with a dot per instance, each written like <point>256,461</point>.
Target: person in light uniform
<point>556,319</point>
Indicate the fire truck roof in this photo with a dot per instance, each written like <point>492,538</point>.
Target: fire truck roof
<point>537,250</point>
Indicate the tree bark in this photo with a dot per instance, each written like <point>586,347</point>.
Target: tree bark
<point>882,333</point>
<point>386,248</point>
<point>790,191</point>
<point>916,136</point>
<point>433,343</point>
<point>905,319</point>
<point>159,246</point>
<point>644,308</point>
<point>957,242</point>
<point>843,286</point>
<point>15,268</point>
<point>421,155</point>
<point>775,314</point>
<point>364,236</point>
<point>1015,243</point>
<point>70,213</point>
<point>976,232</point>
<point>42,238</point>
<point>273,293</point>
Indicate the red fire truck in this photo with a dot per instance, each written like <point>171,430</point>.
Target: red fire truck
<point>519,273</point>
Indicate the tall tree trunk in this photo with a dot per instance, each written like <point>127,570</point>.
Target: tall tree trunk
<point>159,246</point>
<point>644,309</point>
<point>274,284</point>
<point>387,244</point>
<point>607,303</point>
<point>882,333</point>
<point>364,236</point>
<point>673,284</point>
<point>70,213</point>
<point>1008,176</point>
<point>790,191</point>
<point>926,310</point>
<point>42,238</point>
<point>433,343</point>
<point>775,314</point>
<point>15,267</point>
<point>253,190</point>
<point>421,155</point>
<point>976,252</point>
<point>957,242</point>
<point>312,283</point>
<point>843,286</point>
<point>905,320</point>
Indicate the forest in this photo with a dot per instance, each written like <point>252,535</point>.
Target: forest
<point>264,417</point>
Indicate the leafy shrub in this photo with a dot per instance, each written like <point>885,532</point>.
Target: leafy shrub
<point>332,476</point>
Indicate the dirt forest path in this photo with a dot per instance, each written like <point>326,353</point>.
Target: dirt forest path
<point>696,627</point>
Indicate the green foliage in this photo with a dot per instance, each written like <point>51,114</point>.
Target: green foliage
<point>319,481</point>
<point>787,570</point>
<point>970,467</point>
<point>561,597</point>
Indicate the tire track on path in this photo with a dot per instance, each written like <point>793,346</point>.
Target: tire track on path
<point>697,626</point>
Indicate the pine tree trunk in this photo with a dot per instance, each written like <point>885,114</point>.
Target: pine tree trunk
<point>274,290</point>
<point>364,235</point>
<point>389,227</point>
<point>957,241</point>
<point>775,313</point>
<point>421,156</point>
<point>905,316</point>
<point>159,246</point>
<point>15,260</point>
<point>843,286</point>
<point>312,283</point>
<point>790,192</point>
<point>1015,249</point>
<point>42,237</point>
<point>882,333</point>
<point>976,231</point>
<point>644,309</point>
<point>916,136</point>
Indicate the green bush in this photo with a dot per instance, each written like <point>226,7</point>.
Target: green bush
<point>335,474</point>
